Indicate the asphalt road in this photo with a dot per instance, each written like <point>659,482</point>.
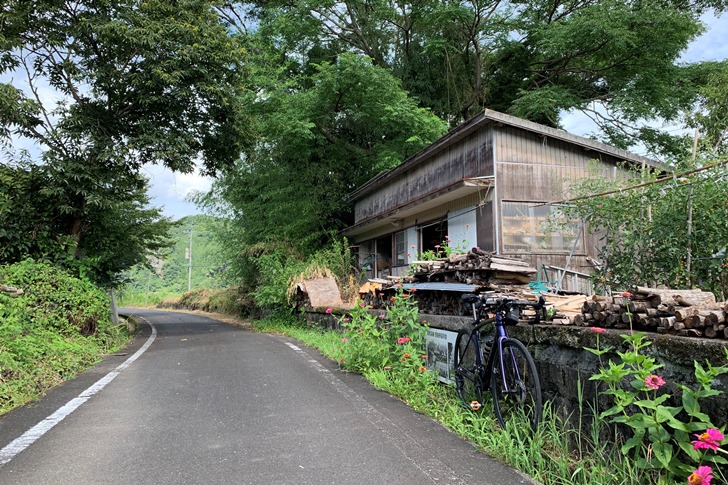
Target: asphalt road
<point>210,403</point>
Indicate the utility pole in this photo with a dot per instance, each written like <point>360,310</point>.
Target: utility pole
<point>188,256</point>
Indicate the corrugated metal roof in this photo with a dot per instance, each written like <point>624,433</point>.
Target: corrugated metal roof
<point>434,286</point>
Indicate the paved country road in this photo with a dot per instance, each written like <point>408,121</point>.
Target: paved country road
<point>210,403</point>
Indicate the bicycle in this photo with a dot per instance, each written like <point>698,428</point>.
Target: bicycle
<point>509,369</point>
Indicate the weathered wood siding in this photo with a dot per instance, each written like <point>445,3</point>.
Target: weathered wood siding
<point>533,168</point>
<point>530,167</point>
<point>471,157</point>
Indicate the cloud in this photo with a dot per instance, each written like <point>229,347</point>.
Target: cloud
<point>169,190</point>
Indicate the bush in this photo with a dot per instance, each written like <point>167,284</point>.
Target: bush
<point>57,328</point>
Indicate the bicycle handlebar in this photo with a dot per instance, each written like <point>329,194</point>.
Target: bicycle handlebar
<point>478,302</point>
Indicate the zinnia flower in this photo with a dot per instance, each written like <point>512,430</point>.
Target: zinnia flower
<point>402,340</point>
<point>702,476</point>
<point>424,356</point>
<point>654,382</point>
<point>710,439</point>
<point>626,294</point>
<point>423,369</point>
<point>329,310</point>
<point>407,355</point>
<point>599,330</point>
<point>382,316</point>
<point>344,339</point>
<point>362,304</point>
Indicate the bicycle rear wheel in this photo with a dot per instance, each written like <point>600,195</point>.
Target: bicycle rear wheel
<point>468,379</point>
<point>515,384</point>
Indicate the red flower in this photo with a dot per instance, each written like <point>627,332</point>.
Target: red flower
<point>709,440</point>
<point>424,356</point>
<point>422,369</point>
<point>407,355</point>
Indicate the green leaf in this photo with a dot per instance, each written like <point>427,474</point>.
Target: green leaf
<point>663,452</point>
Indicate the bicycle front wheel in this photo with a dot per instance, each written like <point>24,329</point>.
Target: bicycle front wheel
<point>468,378</point>
<point>515,384</point>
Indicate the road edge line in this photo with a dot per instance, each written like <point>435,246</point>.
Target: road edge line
<point>21,443</point>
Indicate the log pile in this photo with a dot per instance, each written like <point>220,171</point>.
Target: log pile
<point>477,267</point>
<point>690,313</point>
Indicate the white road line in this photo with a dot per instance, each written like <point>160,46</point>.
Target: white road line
<point>29,437</point>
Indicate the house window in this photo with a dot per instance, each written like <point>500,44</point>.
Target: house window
<point>400,249</point>
<point>534,227</point>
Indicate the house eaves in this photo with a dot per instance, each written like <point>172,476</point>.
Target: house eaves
<point>452,192</point>
<point>494,117</point>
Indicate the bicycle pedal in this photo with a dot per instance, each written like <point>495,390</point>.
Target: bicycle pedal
<point>475,405</point>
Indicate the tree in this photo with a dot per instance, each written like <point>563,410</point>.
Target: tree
<point>339,127</point>
<point>648,235</point>
<point>137,82</point>
<point>117,235</point>
<point>614,60</point>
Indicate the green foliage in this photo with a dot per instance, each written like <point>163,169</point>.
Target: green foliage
<point>56,328</point>
<point>322,136</point>
<point>645,232</point>
<point>111,86</point>
<point>116,235</point>
<point>615,60</point>
<point>166,273</point>
<point>659,433</point>
<point>391,341</point>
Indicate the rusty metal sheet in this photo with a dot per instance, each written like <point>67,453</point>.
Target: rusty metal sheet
<point>323,292</point>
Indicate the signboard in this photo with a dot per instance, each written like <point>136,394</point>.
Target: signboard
<point>440,346</point>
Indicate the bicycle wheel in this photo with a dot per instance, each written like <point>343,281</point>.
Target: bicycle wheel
<point>468,379</point>
<point>515,384</point>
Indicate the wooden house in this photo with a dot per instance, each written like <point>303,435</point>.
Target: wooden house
<point>492,183</point>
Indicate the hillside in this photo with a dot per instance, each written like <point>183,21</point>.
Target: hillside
<point>172,275</point>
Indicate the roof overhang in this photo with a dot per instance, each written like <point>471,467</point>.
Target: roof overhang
<point>394,216</point>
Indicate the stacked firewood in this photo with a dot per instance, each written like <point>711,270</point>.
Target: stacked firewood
<point>477,267</point>
<point>692,313</point>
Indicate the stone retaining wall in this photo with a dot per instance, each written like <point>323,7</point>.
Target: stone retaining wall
<point>564,365</point>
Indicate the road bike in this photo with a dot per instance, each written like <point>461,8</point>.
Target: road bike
<point>500,362</point>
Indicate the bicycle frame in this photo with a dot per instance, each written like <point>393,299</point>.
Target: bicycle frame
<point>486,371</point>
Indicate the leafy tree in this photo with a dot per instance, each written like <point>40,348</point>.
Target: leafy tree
<point>118,234</point>
<point>612,59</point>
<point>648,235</point>
<point>319,143</point>
<point>136,83</point>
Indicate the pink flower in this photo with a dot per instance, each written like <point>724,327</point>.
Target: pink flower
<point>437,246</point>
<point>467,226</point>
<point>402,340</point>
<point>409,255</point>
<point>626,294</point>
<point>344,339</point>
<point>710,439</point>
<point>329,310</point>
<point>702,476</point>
<point>341,361</point>
<point>347,319</point>
<point>413,246</point>
<point>654,382</point>
<point>382,316</point>
<point>599,330</point>
<point>362,304</point>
